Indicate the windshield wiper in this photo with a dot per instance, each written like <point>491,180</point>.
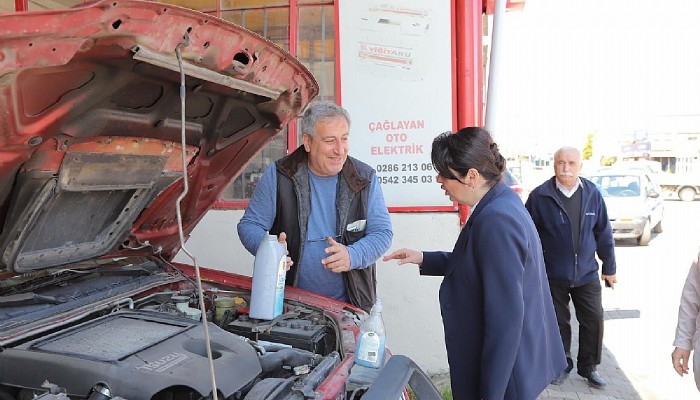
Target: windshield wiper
<point>23,299</point>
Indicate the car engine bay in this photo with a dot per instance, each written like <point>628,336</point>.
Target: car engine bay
<point>133,331</point>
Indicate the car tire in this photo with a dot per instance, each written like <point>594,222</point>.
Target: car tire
<point>645,237</point>
<point>658,228</point>
<point>686,194</point>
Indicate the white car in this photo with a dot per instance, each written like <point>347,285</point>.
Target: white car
<point>634,203</point>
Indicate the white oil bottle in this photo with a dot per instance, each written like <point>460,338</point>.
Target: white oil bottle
<point>269,274</point>
<point>370,345</point>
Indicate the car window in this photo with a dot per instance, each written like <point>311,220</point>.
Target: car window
<point>617,185</point>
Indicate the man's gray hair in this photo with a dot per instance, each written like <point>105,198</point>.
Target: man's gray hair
<point>567,149</point>
<point>321,110</point>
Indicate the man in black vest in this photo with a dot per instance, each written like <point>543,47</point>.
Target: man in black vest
<point>572,221</point>
<point>329,208</point>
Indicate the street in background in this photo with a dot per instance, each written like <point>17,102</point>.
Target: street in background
<point>641,314</point>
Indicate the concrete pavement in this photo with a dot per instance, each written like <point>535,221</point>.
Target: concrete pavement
<point>619,385</point>
<point>636,361</point>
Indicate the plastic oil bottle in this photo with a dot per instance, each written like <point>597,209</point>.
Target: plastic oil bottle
<point>269,274</point>
<point>370,346</point>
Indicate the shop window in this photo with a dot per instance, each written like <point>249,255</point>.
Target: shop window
<point>37,5</point>
<point>200,5</point>
<point>316,46</point>
<point>7,6</point>
<point>315,49</point>
<point>272,23</point>
<point>249,4</point>
<point>241,189</point>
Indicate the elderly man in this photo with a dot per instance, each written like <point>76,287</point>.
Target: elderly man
<point>572,221</point>
<point>328,207</point>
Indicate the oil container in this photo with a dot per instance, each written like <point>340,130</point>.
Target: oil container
<point>269,273</point>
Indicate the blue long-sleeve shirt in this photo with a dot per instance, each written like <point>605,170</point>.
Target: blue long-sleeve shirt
<point>260,215</point>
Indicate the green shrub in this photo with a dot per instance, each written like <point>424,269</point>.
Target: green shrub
<point>446,394</point>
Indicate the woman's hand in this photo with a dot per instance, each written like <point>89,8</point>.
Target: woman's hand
<point>406,256</point>
<point>680,357</point>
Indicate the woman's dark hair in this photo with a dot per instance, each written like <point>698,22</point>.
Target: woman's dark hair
<point>468,148</point>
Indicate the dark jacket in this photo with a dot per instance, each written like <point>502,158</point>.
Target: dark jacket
<point>564,265</point>
<point>294,206</point>
<point>500,328</point>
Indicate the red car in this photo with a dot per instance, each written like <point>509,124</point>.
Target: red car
<point>104,110</point>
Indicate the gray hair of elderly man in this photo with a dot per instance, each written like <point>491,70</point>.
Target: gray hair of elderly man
<point>567,149</point>
<point>321,110</point>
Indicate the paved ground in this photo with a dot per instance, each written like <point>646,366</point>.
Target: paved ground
<point>636,362</point>
<point>619,385</point>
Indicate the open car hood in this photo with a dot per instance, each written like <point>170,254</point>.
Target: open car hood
<point>90,125</point>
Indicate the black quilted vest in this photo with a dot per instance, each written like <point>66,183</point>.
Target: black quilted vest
<point>294,205</point>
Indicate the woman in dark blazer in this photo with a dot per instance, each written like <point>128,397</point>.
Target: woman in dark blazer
<point>500,328</point>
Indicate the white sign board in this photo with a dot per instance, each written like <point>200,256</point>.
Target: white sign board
<point>396,82</point>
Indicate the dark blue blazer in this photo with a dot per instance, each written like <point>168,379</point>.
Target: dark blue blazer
<point>501,332</point>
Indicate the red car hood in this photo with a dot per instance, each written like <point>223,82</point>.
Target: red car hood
<point>90,125</point>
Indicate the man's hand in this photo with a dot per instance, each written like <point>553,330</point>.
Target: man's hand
<point>339,259</point>
<point>610,279</point>
<point>406,256</point>
<point>679,358</point>
<point>282,238</point>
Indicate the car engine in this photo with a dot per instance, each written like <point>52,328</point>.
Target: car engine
<point>154,347</point>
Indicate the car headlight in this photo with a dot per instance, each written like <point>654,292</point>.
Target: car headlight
<point>631,219</point>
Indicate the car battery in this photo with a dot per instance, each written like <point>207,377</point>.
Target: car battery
<point>299,333</point>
